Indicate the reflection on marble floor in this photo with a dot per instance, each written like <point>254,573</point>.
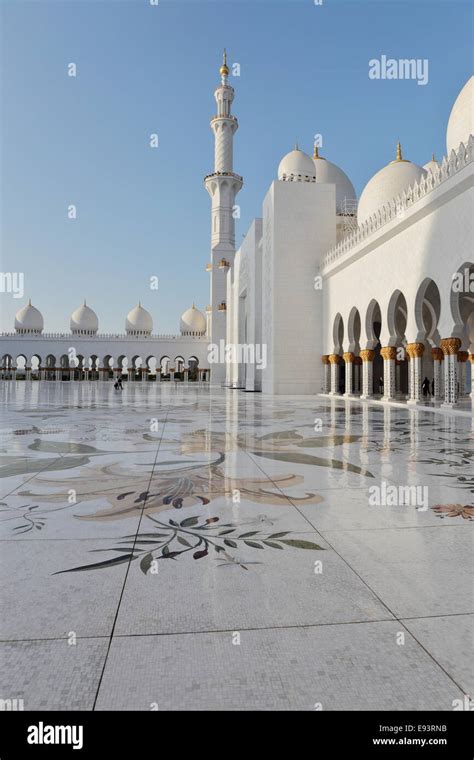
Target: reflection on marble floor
<point>215,523</point>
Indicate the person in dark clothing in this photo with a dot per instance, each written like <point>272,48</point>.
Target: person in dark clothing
<point>119,383</point>
<point>381,386</point>
<point>432,387</point>
<point>425,387</point>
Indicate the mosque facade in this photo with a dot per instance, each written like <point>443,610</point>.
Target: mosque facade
<point>363,298</point>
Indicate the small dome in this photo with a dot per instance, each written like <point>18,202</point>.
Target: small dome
<point>431,165</point>
<point>296,166</point>
<point>139,321</point>
<point>329,173</point>
<point>84,321</point>
<point>389,182</point>
<point>193,322</point>
<point>461,119</point>
<point>29,319</point>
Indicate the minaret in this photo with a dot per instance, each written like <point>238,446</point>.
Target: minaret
<point>222,185</point>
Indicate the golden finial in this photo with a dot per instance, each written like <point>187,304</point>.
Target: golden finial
<point>296,145</point>
<point>399,155</point>
<point>316,153</point>
<point>224,69</point>
<point>194,305</point>
<point>433,157</point>
<point>29,302</point>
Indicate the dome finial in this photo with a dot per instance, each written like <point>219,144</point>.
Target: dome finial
<point>224,69</point>
<point>399,157</point>
<point>29,301</point>
<point>433,157</point>
<point>297,147</point>
<point>85,302</point>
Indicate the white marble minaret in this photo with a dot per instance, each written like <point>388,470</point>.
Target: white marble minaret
<point>222,185</point>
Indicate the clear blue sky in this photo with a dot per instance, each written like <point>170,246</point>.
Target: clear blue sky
<point>144,69</point>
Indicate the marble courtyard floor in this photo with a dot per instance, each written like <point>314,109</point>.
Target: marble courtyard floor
<point>196,548</point>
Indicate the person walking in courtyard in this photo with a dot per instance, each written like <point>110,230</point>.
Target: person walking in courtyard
<point>425,387</point>
<point>119,383</point>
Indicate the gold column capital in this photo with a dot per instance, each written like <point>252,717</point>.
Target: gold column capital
<point>357,361</point>
<point>415,350</point>
<point>437,354</point>
<point>388,352</point>
<point>450,346</point>
<point>367,355</point>
<point>472,358</point>
<point>334,359</point>
<point>348,357</point>
<point>325,358</point>
<point>463,356</point>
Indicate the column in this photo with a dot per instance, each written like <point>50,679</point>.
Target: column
<point>463,356</point>
<point>326,373</point>
<point>415,353</point>
<point>357,374</point>
<point>471,357</point>
<point>398,378</point>
<point>349,360</point>
<point>334,360</point>
<point>389,355</point>
<point>438,358</point>
<point>367,355</point>
<point>450,348</point>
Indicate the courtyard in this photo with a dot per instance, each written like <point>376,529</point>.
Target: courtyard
<point>176,547</point>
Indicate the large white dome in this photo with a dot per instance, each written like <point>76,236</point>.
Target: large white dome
<point>329,173</point>
<point>193,322</point>
<point>84,321</point>
<point>389,182</point>
<point>29,319</point>
<point>296,166</point>
<point>461,119</point>
<point>139,321</point>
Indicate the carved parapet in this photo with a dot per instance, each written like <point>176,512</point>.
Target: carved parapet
<point>437,354</point>
<point>348,357</point>
<point>450,346</point>
<point>388,352</point>
<point>334,358</point>
<point>367,355</point>
<point>415,350</point>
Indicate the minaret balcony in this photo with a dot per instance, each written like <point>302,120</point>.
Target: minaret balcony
<point>209,267</point>
<point>208,308</point>
<point>222,306</point>
<point>229,116</point>
<point>223,264</point>
<point>224,174</point>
